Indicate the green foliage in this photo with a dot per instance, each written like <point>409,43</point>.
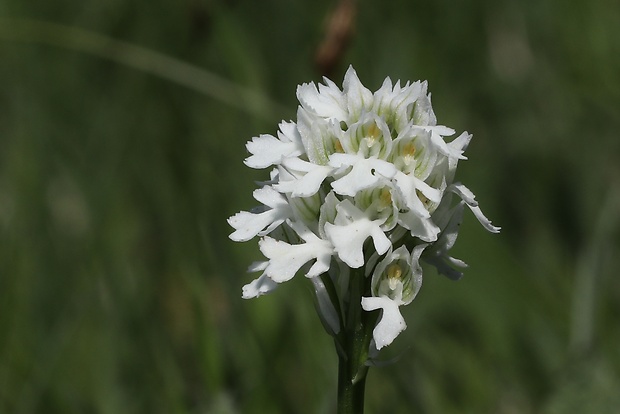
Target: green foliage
<point>121,293</point>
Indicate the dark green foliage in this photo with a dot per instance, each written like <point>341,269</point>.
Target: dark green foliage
<point>120,291</point>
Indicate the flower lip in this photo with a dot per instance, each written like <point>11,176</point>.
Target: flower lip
<point>250,224</point>
<point>350,230</point>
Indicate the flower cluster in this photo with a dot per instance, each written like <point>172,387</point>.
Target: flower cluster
<point>361,181</point>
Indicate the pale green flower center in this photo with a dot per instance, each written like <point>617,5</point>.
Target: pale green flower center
<point>338,147</point>
<point>373,132</point>
<point>408,152</point>
<point>408,156</point>
<point>394,275</point>
<point>385,199</point>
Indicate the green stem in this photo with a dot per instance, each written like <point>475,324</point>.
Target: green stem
<point>355,343</point>
<point>350,392</point>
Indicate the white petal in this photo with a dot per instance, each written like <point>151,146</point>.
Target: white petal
<point>288,132</point>
<point>269,197</point>
<point>257,266</point>
<point>444,269</point>
<point>417,271</point>
<point>391,323</point>
<point>320,266</point>
<point>248,225</point>
<point>359,178</point>
<point>358,96</point>
<point>285,259</point>
<point>437,129</point>
<point>314,135</point>
<point>455,262</point>
<point>326,102</point>
<point>328,213</point>
<point>450,233</point>
<point>326,308</point>
<point>258,287</point>
<point>402,101</point>
<point>437,134</point>
<point>323,249</point>
<point>429,192</point>
<point>460,144</point>
<point>420,227</point>
<point>348,244</point>
<point>309,178</point>
<point>343,160</point>
<point>469,198</point>
<point>366,172</point>
<point>465,194</point>
<point>351,230</point>
<point>407,184</point>
<point>268,150</point>
<point>486,223</point>
<point>437,253</point>
<point>383,97</point>
<point>381,241</point>
<point>423,110</point>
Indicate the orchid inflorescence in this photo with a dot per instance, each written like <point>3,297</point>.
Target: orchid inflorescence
<point>361,184</point>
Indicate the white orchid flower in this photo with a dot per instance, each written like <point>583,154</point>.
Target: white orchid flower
<point>361,183</point>
<point>395,282</point>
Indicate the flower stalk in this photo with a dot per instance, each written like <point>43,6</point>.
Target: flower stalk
<point>354,349</point>
<point>360,193</point>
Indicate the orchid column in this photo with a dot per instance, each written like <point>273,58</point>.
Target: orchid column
<point>361,190</point>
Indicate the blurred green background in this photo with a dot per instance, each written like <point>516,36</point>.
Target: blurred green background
<point>120,291</point>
